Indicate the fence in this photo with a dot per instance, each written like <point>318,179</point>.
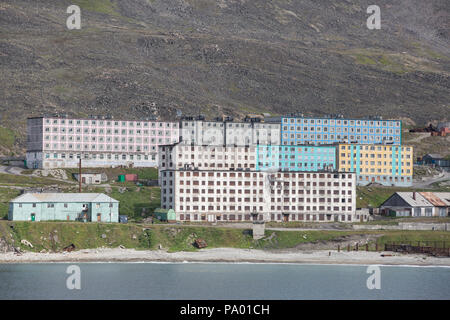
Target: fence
<point>436,248</point>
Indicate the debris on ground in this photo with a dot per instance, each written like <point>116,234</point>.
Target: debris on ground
<point>69,248</point>
<point>26,242</point>
<point>200,243</point>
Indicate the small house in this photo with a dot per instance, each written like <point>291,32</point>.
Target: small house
<point>85,207</point>
<point>417,204</point>
<point>436,160</point>
<point>90,177</point>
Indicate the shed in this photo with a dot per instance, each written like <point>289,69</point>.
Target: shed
<point>121,178</point>
<point>89,177</point>
<point>131,177</point>
<point>165,214</point>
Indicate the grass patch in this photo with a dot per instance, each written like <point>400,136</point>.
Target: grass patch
<point>16,180</point>
<point>375,196</point>
<point>132,201</point>
<point>54,236</point>
<point>7,137</point>
<point>362,59</point>
<point>113,173</point>
<point>6,195</point>
<point>413,237</point>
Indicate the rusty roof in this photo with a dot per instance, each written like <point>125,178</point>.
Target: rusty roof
<point>433,199</point>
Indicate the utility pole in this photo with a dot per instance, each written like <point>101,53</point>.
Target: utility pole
<point>79,176</point>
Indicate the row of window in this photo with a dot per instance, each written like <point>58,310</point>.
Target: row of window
<point>385,178</point>
<point>292,129</point>
<point>251,209</point>
<point>100,156</point>
<point>390,123</point>
<point>78,122</point>
<point>122,140</point>
<point>85,131</point>
<point>66,205</point>
<point>377,155</point>
<point>273,217</point>
<point>374,148</point>
<point>337,138</point>
<point>375,163</point>
<point>292,175</point>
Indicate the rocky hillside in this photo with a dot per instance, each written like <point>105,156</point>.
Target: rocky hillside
<point>137,58</point>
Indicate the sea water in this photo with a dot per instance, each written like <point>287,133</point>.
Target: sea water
<point>220,281</point>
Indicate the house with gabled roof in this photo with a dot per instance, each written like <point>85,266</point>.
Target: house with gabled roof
<point>85,207</point>
<point>417,204</point>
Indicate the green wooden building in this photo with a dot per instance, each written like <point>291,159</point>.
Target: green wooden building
<point>96,207</point>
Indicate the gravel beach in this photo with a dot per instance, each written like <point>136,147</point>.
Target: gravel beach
<point>231,255</point>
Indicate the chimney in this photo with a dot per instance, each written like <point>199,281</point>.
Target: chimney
<point>414,195</point>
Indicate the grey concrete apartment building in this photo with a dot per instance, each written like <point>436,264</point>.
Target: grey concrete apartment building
<point>229,195</point>
<point>220,133</point>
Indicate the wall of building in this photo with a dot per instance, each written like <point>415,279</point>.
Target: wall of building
<point>63,211</point>
<point>296,158</point>
<point>66,137</point>
<point>388,165</point>
<point>235,196</point>
<point>299,130</point>
<point>217,133</point>
<point>50,160</point>
<point>179,156</point>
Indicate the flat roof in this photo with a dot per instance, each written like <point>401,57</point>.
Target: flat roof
<point>339,118</point>
<point>101,119</point>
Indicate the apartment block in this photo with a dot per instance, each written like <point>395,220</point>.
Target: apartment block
<point>181,156</point>
<point>252,133</point>
<point>302,130</point>
<point>219,195</point>
<point>58,142</point>
<point>220,133</point>
<point>295,158</point>
<point>388,165</point>
<point>201,132</point>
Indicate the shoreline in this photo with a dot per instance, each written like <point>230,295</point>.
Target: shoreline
<point>228,255</point>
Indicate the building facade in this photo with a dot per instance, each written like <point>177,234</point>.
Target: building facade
<point>302,130</point>
<point>96,207</point>
<point>180,156</point>
<point>54,142</point>
<point>388,165</point>
<point>220,133</point>
<point>295,158</point>
<point>227,195</point>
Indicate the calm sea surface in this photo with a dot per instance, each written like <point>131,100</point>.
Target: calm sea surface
<point>221,281</point>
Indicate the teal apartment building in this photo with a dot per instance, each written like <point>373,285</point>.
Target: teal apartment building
<point>87,207</point>
<point>295,158</point>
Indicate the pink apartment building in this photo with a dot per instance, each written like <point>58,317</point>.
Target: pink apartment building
<point>58,142</point>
